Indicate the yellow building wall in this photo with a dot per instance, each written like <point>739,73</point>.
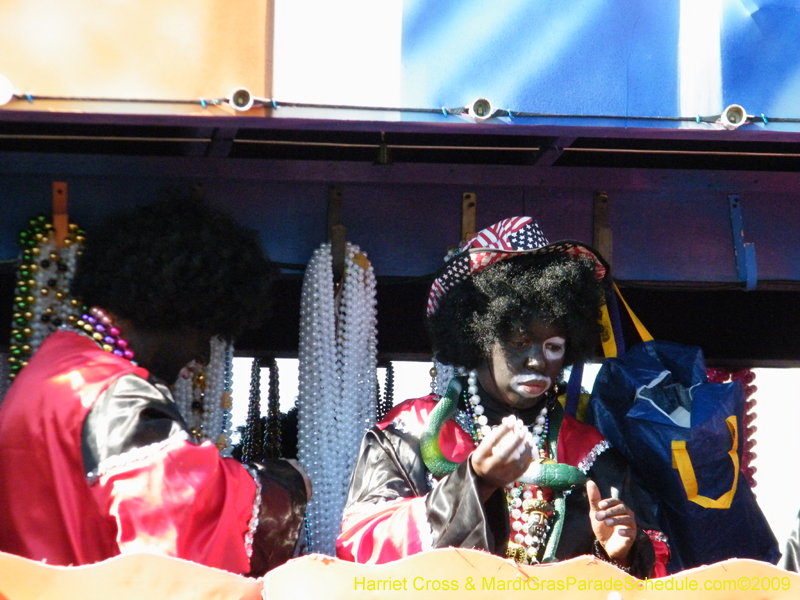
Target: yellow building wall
<point>137,49</point>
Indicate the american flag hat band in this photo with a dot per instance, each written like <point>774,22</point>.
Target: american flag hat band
<point>515,236</point>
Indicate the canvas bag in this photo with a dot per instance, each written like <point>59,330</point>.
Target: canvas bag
<point>683,437</point>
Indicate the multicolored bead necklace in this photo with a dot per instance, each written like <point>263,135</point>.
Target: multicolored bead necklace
<point>479,423</point>
<point>530,515</point>
<point>100,327</point>
<point>42,302</point>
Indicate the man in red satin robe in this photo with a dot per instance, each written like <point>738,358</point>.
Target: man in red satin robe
<point>95,458</point>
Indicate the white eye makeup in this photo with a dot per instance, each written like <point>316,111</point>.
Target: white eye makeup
<point>554,348</point>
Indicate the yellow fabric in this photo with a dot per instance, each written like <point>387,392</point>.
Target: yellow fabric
<point>682,462</point>
<point>643,333</point>
<point>609,343</point>
<point>583,405</point>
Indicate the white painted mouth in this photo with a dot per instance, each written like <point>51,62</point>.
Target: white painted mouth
<point>524,385</point>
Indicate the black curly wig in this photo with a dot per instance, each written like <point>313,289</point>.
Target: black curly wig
<point>173,265</point>
<point>481,309</point>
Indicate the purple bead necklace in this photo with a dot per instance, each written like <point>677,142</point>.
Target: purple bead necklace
<point>100,326</point>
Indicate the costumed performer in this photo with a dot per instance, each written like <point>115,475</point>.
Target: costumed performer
<point>95,458</point>
<point>510,311</point>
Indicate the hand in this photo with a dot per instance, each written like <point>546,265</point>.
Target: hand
<point>502,456</point>
<point>306,480</point>
<point>613,523</point>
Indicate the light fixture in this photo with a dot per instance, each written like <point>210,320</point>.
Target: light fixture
<point>241,99</point>
<point>480,109</point>
<point>733,117</point>
<point>6,90</point>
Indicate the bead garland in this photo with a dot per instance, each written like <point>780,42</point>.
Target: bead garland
<point>42,302</point>
<point>272,432</point>
<point>337,383</point>
<point>441,374</point>
<point>386,400</point>
<point>253,440</point>
<point>203,396</point>
<point>98,325</point>
<point>531,522</point>
<point>317,391</point>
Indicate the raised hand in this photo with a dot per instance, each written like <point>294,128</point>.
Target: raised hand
<point>502,456</point>
<point>613,523</point>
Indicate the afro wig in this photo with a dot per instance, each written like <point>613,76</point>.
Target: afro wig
<point>487,306</point>
<point>176,264</point>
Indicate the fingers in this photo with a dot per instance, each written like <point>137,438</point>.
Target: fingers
<point>611,511</point>
<point>504,454</point>
<point>593,493</point>
<point>511,440</point>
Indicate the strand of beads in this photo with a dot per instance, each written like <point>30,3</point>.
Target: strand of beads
<point>357,364</point>
<point>42,302</point>
<point>272,435</point>
<point>337,383</point>
<point>253,439</point>
<point>98,324</point>
<point>480,427</point>
<point>530,517</point>
<point>387,398</point>
<point>215,401</point>
<point>317,391</point>
<point>531,522</point>
<point>227,400</point>
<point>747,377</point>
<point>441,375</point>
<point>202,394</point>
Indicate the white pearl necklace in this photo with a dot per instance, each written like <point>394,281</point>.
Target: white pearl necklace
<point>480,421</point>
<point>337,384</point>
<point>522,507</point>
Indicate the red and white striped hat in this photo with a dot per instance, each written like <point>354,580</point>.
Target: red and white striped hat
<point>515,236</point>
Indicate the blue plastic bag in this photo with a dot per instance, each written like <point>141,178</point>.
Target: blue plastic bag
<point>683,438</point>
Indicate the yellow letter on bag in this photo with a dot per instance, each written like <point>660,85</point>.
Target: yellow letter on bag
<point>682,462</point>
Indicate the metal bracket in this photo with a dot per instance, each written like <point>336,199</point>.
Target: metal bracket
<point>337,233</point>
<point>603,240</point>
<point>60,216</point>
<point>745,253</point>
<point>221,143</point>
<point>469,209</point>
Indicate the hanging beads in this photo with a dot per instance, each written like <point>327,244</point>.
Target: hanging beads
<point>386,401</point>
<point>272,436</point>
<point>317,390</point>
<point>337,383</point>
<point>202,394</point>
<point>42,302</point>
<point>253,439</point>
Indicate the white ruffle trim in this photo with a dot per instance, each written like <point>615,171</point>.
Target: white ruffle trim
<point>132,456</point>
<point>253,525</point>
<point>588,461</point>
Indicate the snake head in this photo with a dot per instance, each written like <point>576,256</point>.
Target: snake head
<point>554,476</point>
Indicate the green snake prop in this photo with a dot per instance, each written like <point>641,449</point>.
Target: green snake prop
<point>547,473</point>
